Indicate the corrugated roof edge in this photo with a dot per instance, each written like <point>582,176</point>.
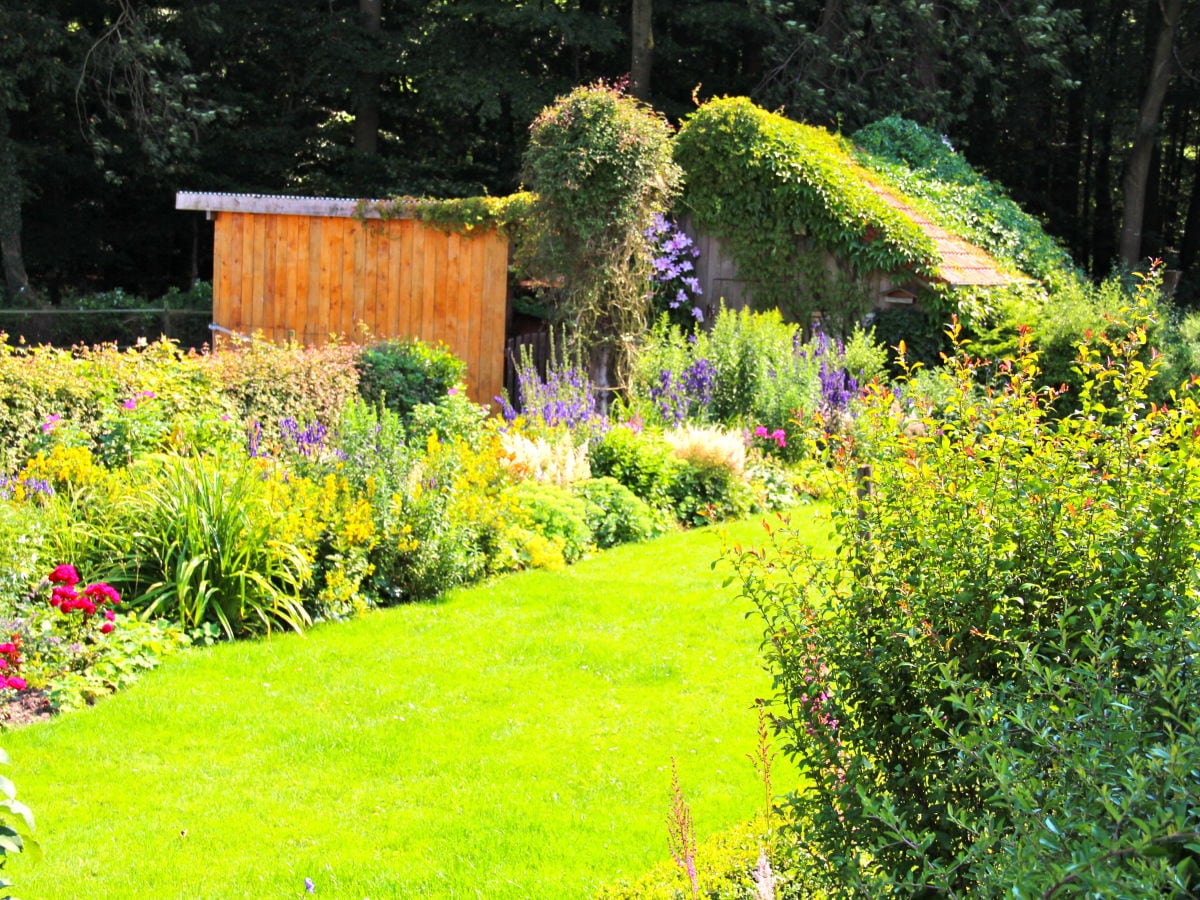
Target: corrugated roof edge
<point>337,207</point>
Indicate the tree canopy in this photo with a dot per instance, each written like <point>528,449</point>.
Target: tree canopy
<point>1083,109</point>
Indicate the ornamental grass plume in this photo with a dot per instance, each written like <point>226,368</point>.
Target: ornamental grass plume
<point>556,460</point>
<point>709,446</point>
<point>681,833</point>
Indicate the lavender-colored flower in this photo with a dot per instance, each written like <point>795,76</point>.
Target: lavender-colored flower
<point>671,264</point>
<point>254,439</point>
<point>309,887</point>
<point>698,380</point>
<point>837,387</point>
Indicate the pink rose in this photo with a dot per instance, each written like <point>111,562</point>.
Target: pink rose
<point>64,575</point>
<point>107,627</point>
<point>102,593</point>
<point>16,683</point>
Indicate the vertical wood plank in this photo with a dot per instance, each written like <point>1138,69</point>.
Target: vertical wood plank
<point>417,284</point>
<point>293,227</point>
<point>256,262</point>
<point>318,273</point>
<point>239,312</point>
<point>358,281</point>
<point>253,309</point>
<point>492,315</point>
<point>332,252</point>
<point>376,260</point>
<point>399,268</point>
<point>345,304</point>
<point>273,313</point>
<point>456,262</point>
<point>471,286</point>
<point>223,303</point>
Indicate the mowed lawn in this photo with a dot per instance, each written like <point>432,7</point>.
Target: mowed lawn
<point>512,740</point>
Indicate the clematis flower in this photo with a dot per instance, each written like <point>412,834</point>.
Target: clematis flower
<point>64,575</point>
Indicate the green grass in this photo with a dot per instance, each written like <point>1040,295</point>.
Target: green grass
<point>513,740</point>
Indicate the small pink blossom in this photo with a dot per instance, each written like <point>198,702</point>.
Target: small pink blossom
<point>51,423</point>
<point>16,683</point>
<point>106,627</point>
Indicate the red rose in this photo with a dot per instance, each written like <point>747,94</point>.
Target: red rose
<point>106,627</point>
<point>64,575</point>
<point>102,593</point>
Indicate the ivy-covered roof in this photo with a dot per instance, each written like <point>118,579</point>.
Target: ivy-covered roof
<point>960,263</point>
<point>757,180</point>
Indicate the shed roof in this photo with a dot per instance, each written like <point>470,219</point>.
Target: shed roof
<point>962,263</point>
<point>340,207</point>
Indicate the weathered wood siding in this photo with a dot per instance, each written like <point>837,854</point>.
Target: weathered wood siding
<point>308,278</point>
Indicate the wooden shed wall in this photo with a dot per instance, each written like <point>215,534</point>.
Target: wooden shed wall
<point>306,278</point>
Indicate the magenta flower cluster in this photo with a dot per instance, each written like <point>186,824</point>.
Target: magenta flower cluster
<point>97,597</point>
<point>779,436</point>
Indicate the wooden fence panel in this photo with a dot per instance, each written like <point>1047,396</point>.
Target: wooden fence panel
<point>311,277</point>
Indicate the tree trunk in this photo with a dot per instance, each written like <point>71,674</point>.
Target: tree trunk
<point>642,43</point>
<point>15,277</point>
<point>1137,169</point>
<point>366,101</point>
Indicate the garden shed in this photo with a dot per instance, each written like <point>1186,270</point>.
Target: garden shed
<point>792,216</point>
<point>311,269</point>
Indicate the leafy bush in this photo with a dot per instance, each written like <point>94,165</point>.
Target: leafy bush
<point>401,374</point>
<point>922,334</point>
<point>639,460</point>
<point>430,530</point>
<point>991,690</point>
<point>555,516</point>
<point>600,164</point>
<point>201,546</point>
<point>268,383</point>
<point>16,825</point>
<point>453,418</point>
<point>615,514</point>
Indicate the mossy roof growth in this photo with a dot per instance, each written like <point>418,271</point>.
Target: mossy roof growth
<point>757,180</point>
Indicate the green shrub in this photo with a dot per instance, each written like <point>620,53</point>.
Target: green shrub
<point>402,374</point>
<point>200,546</point>
<point>615,514</point>
<point>425,545</point>
<point>639,460</point>
<point>556,516</point>
<point>600,164</point>
<point>991,688</point>
<point>453,418</point>
<point>922,333</point>
<point>268,383</point>
<point>704,491</point>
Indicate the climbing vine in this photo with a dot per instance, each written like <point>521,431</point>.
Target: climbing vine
<point>600,164</point>
<point>782,195</point>
<point>463,214</point>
